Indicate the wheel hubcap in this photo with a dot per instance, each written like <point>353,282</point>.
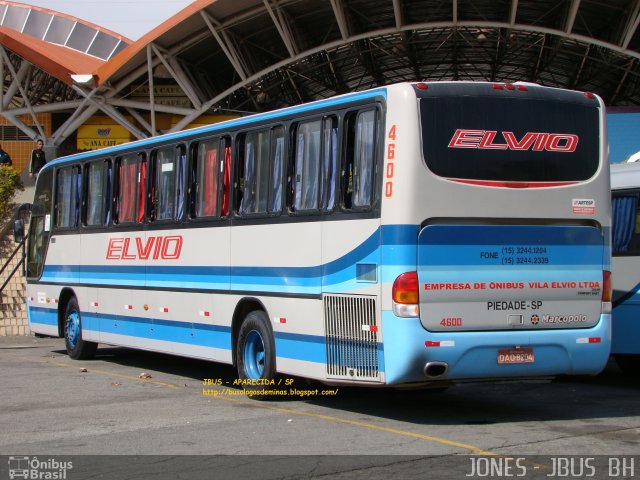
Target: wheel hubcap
<point>254,355</point>
<point>73,328</point>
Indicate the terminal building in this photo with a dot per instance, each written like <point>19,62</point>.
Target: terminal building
<point>79,86</point>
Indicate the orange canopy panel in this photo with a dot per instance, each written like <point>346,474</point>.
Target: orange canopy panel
<point>60,62</point>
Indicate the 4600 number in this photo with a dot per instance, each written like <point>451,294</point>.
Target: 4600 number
<point>451,322</point>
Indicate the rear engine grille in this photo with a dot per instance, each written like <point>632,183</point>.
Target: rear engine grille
<point>352,335</point>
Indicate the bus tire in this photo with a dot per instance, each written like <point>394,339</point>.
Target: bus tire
<point>629,364</point>
<point>77,348</point>
<point>256,352</point>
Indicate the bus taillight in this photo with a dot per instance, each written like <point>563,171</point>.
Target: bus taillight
<point>606,291</point>
<point>405,295</point>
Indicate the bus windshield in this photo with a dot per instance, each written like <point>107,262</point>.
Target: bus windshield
<point>496,137</point>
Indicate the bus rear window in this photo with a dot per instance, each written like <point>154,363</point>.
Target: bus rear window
<point>509,139</point>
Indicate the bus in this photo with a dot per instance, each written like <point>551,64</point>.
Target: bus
<point>411,235</point>
<point>625,192</point>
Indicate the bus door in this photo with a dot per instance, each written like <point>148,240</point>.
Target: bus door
<point>37,243</point>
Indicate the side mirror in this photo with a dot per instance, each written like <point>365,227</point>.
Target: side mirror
<point>18,230</point>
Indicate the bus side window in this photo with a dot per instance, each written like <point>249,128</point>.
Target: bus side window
<point>192,179</point>
<point>68,197</point>
<point>97,183</point>
<point>277,167</point>
<point>181,180</point>
<point>125,195</point>
<point>226,177</point>
<point>625,223</point>
<point>207,174</point>
<point>254,183</point>
<point>306,165</point>
<point>166,191</point>
<point>359,160</point>
<point>108,192</point>
<point>142,186</point>
<point>211,175</point>
<point>329,162</point>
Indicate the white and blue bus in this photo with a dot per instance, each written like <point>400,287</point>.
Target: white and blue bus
<point>625,191</point>
<point>406,235</point>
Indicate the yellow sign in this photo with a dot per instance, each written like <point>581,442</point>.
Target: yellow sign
<point>95,143</point>
<point>91,137</point>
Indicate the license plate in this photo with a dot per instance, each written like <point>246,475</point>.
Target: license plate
<point>515,355</point>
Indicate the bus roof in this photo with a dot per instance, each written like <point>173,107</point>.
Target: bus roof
<point>247,120</point>
<point>470,87</point>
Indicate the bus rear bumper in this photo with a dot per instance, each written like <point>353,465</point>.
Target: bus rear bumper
<point>412,354</point>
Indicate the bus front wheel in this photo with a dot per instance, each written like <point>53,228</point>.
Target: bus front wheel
<point>77,348</point>
<point>255,352</point>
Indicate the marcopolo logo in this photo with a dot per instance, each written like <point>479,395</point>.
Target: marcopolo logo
<point>564,318</point>
<point>34,468</point>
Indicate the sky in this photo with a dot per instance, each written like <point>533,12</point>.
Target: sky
<point>624,135</point>
<point>131,18</point>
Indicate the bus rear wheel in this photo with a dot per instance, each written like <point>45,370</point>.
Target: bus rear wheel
<point>77,348</point>
<point>255,352</point>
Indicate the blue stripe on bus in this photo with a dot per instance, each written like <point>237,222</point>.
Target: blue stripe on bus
<point>400,248</point>
<point>44,316</point>
<point>310,348</point>
<point>514,247</point>
<point>525,235</point>
<point>288,345</point>
<point>630,297</point>
<point>206,335</point>
<point>300,347</point>
<point>447,245</point>
<point>470,255</point>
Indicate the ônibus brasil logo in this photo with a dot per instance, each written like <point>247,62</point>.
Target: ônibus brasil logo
<point>34,468</point>
<point>534,141</point>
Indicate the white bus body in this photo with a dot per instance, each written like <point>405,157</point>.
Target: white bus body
<point>440,232</point>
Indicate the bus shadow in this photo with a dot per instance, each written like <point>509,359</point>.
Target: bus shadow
<point>610,394</point>
<point>187,368</point>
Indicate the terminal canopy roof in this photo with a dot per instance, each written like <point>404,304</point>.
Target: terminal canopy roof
<point>241,56</point>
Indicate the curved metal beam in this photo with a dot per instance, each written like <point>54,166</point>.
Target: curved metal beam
<point>409,27</point>
<point>564,31</point>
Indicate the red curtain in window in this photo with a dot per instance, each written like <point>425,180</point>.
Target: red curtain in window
<point>210,183</point>
<point>142,188</point>
<point>226,183</point>
<point>127,186</point>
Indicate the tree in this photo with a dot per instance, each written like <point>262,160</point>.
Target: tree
<point>9,183</point>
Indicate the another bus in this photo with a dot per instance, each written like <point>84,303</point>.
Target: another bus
<point>625,190</point>
<point>408,235</point>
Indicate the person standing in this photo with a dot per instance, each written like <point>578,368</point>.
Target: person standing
<point>38,158</point>
<point>5,158</point>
